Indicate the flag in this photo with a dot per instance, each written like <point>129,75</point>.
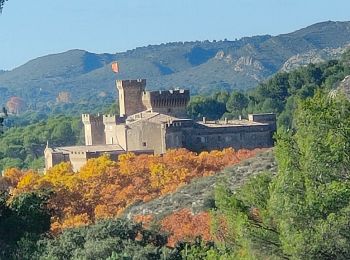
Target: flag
<point>115,67</point>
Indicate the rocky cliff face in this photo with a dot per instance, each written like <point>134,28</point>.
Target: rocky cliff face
<point>313,56</point>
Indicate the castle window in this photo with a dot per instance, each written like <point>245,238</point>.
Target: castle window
<point>144,144</point>
<point>204,139</point>
<point>228,139</point>
<point>169,110</point>
<point>219,138</point>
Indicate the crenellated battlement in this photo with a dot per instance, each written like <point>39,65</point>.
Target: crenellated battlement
<point>131,83</point>
<point>166,99</point>
<point>172,93</point>
<point>110,119</point>
<point>94,129</point>
<point>92,119</point>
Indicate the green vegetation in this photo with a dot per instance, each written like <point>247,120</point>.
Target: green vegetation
<point>24,234</point>
<point>108,239</point>
<point>279,94</point>
<point>303,211</point>
<point>22,221</point>
<point>23,146</point>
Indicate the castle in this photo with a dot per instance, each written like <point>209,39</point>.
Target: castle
<point>155,121</point>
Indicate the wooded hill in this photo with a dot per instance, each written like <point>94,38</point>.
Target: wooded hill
<point>202,66</point>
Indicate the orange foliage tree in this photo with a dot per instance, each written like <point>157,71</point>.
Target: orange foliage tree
<point>183,225</point>
<point>104,188</point>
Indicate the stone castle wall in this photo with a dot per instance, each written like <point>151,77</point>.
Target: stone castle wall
<point>239,137</point>
<point>169,102</point>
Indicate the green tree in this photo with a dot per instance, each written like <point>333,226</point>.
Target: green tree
<point>108,239</point>
<point>205,107</point>
<point>250,230</point>
<point>310,196</point>
<point>22,220</point>
<point>302,212</point>
<point>2,2</point>
<point>236,103</point>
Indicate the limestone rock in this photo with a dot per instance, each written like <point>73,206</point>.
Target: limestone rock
<point>313,56</point>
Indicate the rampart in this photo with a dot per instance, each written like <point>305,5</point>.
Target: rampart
<point>170,102</point>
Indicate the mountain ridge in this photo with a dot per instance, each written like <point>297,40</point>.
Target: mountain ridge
<point>201,66</point>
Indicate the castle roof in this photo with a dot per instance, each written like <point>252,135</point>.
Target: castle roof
<point>231,123</point>
<point>153,117</point>
<point>88,149</point>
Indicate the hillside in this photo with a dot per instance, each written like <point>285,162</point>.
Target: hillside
<point>202,66</point>
<point>199,194</point>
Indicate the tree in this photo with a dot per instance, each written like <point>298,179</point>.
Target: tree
<point>311,194</point>
<point>205,107</point>
<point>183,225</point>
<point>2,2</point>
<point>22,220</point>
<point>242,224</point>
<point>302,212</point>
<point>112,239</point>
<point>237,102</point>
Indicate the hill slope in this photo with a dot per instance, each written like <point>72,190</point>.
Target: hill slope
<point>202,66</point>
<point>197,195</point>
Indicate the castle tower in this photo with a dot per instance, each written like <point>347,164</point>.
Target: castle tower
<point>130,96</point>
<point>94,129</point>
<point>110,122</point>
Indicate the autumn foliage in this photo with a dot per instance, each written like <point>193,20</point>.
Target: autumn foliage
<point>183,225</point>
<point>104,188</point>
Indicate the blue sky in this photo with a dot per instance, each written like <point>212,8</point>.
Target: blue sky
<point>29,29</point>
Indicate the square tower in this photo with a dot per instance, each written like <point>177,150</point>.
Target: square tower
<point>94,129</point>
<point>130,96</point>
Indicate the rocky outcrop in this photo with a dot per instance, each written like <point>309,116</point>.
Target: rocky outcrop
<point>241,63</point>
<point>247,61</point>
<point>313,56</point>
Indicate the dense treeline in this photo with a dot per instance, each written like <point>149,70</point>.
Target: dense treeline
<point>26,135</point>
<point>279,94</point>
<point>23,146</point>
<point>102,189</point>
